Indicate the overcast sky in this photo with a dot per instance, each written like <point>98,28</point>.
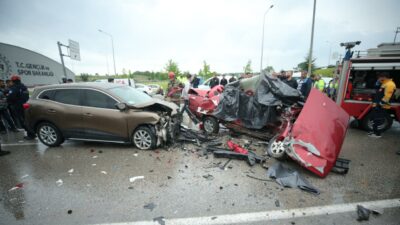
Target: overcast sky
<point>225,33</point>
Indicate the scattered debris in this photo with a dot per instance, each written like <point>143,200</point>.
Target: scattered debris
<point>103,172</point>
<point>341,166</point>
<point>290,178</point>
<point>224,167</point>
<point>150,206</point>
<point>169,177</point>
<point>209,177</point>
<point>236,148</point>
<point>214,217</point>
<point>71,171</point>
<point>18,186</point>
<point>69,211</point>
<point>95,156</point>
<point>251,157</point>
<point>160,220</point>
<point>257,178</point>
<point>136,155</point>
<point>59,182</point>
<point>24,176</point>
<point>100,151</point>
<point>94,164</point>
<point>133,179</point>
<point>91,150</point>
<point>363,213</point>
<point>277,203</point>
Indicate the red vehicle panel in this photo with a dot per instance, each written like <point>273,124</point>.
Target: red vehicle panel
<point>318,134</point>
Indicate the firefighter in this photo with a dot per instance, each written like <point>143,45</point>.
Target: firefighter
<point>18,95</point>
<point>381,103</point>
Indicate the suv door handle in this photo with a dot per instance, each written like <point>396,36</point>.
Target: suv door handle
<point>51,111</point>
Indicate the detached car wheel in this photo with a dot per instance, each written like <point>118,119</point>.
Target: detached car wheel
<point>276,148</point>
<point>211,125</point>
<point>144,138</point>
<point>49,134</point>
<point>367,122</point>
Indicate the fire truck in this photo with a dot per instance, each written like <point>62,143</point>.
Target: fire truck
<point>358,83</point>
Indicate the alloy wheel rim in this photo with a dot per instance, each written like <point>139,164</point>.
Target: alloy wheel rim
<point>142,139</point>
<point>277,148</point>
<point>208,126</point>
<point>48,135</point>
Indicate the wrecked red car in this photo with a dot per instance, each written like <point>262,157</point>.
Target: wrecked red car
<point>311,133</point>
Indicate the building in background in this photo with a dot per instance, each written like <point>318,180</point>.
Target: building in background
<point>35,69</point>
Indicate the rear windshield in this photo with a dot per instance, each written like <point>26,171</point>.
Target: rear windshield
<point>130,95</point>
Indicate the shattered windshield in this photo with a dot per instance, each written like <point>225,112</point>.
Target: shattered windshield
<point>130,95</point>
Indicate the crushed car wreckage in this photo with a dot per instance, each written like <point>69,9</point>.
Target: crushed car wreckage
<point>311,133</point>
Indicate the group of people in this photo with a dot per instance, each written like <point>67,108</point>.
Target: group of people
<point>216,81</point>
<point>13,94</point>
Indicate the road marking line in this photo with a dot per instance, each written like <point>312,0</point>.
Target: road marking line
<point>19,144</point>
<point>271,215</point>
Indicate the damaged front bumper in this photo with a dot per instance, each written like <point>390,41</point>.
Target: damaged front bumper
<point>167,129</point>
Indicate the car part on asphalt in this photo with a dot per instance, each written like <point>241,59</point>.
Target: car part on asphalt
<point>236,148</point>
<point>251,157</point>
<point>362,213</point>
<point>211,125</point>
<point>342,166</point>
<point>277,147</point>
<point>160,220</point>
<point>287,177</point>
<point>150,206</point>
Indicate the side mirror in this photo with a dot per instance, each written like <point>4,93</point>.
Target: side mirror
<point>121,106</point>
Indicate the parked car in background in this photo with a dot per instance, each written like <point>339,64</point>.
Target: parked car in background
<point>206,84</point>
<point>102,112</point>
<point>143,88</point>
<point>156,89</point>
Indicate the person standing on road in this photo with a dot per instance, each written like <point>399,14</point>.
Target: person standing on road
<point>232,79</point>
<point>223,81</point>
<point>185,97</point>
<point>195,81</point>
<point>289,80</point>
<point>381,103</point>
<point>214,81</point>
<point>304,84</point>
<point>319,83</point>
<point>4,114</point>
<point>17,96</point>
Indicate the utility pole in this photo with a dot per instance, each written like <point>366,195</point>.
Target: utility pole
<point>62,58</point>
<point>262,39</point>
<point>112,46</point>
<point>395,34</point>
<point>312,40</point>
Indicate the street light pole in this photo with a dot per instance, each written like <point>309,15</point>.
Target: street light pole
<point>312,40</point>
<point>262,39</point>
<point>330,52</point>
<point>112,45</point>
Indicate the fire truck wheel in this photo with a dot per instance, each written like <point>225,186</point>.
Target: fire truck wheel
<point>366,122</point>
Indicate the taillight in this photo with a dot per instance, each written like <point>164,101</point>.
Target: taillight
<point>26,106</point>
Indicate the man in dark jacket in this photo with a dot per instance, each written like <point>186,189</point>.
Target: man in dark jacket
<point>304,84</point>
<point>223,81</point>
<point>289,80</point>
<point>18,95</point>
<point>232,79</point>
<point>214,81</point>
<point>4,114</point>
<point>195,81</point>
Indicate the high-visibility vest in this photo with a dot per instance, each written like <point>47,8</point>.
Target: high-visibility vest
<point>320,84</point>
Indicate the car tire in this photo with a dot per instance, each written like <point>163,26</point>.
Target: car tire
<point>210,125</point>
<point>276,149</point>
<point>144,138</point>
<point>49,134</point>
<point>366,122</point>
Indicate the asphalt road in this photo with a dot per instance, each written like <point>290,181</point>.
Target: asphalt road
<point>185,188</point>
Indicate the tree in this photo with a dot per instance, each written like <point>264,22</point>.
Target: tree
<point>205,71</point>
<point>172,66</point>
<point>84,77</point>
<point>304,65</point>
<point>247,68</point>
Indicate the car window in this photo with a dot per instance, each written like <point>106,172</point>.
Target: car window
<point>68,96</point>
<point>130,95</point>
<point>48,95</point>
<point>98,99</point>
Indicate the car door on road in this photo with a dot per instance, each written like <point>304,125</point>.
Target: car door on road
<point>101,119</point>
